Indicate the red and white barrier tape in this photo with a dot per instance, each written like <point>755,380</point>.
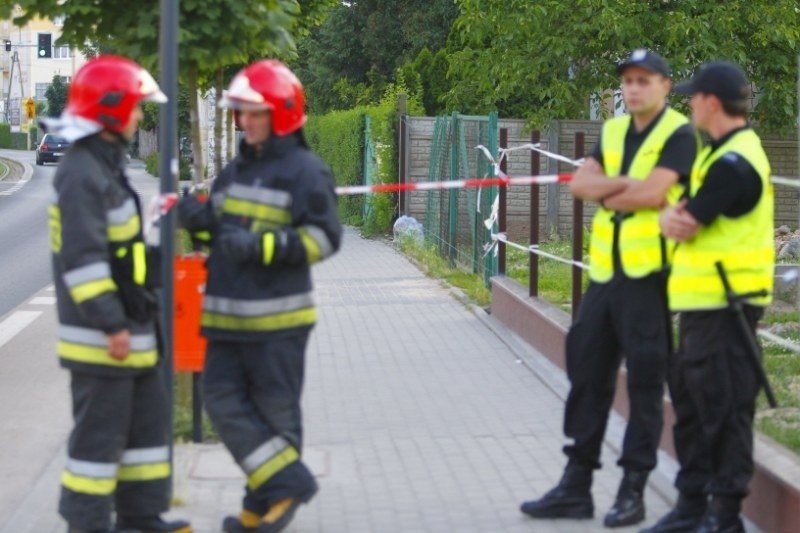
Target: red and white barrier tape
<point>454,184</point>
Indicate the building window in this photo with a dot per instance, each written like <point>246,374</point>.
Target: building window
<point>58,20</point>
<point>62,52</point>
<point>41,88</point>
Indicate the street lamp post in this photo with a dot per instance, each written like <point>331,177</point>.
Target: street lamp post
<point>168,170</point>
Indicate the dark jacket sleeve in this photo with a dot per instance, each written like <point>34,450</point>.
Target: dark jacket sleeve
<point>84,253</point>
<point>317,221</point>
<point>316,232</point>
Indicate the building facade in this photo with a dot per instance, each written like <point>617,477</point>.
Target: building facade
<point>29,58</point>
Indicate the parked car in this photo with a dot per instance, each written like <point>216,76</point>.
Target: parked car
<point>51,149</point>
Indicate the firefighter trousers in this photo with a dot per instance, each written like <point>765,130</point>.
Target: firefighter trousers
<point>251,391</point>
<point>713,389</point>
<point>624,317</point>
<point>118,455</point>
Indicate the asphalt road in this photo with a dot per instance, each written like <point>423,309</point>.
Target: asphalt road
<point>24,247</point>
<point>24,240</point>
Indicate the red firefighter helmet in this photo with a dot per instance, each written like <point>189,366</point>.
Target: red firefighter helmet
<point>269,84</point>
<point>107,89</point>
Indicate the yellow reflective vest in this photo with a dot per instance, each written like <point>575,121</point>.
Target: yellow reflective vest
<point>743,244</point>
<point>641,246</point>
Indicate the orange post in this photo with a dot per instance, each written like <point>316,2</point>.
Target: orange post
<point>189,346</point>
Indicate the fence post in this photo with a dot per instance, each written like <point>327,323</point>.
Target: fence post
<point>533,259</point>
<point>501,214</point>
<point>553,202</point>
<point>452,205</point>
<point>402,150</point>
<point>577,235</point>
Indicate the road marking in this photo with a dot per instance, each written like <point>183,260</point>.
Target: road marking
<point>16,322</point>
<point>14,188</point>
<point>43,300</point>
<point>50,288</point>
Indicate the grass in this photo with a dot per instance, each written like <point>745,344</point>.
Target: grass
<point>182,414</point>
<point>783,370</point>
<point>555,279</point>
<point>435,266</point>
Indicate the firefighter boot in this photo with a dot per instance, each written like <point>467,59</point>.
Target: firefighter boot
<point>685,517</point>
<point>246,522</point>
<point>722,516</point>
<point>628,508</point>
<point>571,498</point>
<point>151,524</point>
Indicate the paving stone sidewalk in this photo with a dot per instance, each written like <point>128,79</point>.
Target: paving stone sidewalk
<point>421,416</point>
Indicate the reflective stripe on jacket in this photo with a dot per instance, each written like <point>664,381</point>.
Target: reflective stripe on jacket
<point>284,194</point>
<point>99,260</point>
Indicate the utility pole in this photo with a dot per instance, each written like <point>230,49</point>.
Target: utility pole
<point>14,61</point>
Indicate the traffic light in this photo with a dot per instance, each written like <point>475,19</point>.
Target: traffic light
<point>8,45</point>
<point>45,45</point>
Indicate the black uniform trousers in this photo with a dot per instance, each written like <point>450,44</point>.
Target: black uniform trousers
<point>713,389</point>
<point>627,317</point>
<point>251,392</point>
<point>118,453</point>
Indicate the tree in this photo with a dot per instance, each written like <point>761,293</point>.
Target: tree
<point>547,59</point>
<point>56,95</point>
<point>364,40</point>
<point>213,34</point>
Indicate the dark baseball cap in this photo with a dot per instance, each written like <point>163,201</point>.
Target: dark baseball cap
<point>723,79</point>
<point>646,59</point>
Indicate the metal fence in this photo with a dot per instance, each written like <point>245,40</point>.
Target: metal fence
<point>454,221</point>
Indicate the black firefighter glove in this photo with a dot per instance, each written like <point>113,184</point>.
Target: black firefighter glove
<point>194,212</point>
<point>241,245</point>
<point>274,247</point>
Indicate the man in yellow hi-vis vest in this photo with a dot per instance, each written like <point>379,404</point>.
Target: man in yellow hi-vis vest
<point>632,172</point>
<point>728,219</point>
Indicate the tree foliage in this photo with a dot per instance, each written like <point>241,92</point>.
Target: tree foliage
<point>56,95</point>
<point>213,34</point>
<point>546,59</point>
<point>352,57</point>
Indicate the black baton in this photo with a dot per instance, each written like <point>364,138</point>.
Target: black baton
<point>735,303</point>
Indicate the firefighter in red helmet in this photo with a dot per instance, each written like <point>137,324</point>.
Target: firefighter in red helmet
<point>118,454</point>
<point>271,215</point>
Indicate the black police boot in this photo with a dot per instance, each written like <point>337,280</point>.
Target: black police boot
<point>151,524</point>
<point>571,498</point>
<point>628,508</point>
<point>722,516</point>
<point>685,517</point>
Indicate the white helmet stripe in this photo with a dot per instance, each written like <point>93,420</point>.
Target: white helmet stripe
<point>241,90</point>
<point>150,89</point>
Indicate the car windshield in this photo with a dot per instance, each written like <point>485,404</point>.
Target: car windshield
<point>54,139</point>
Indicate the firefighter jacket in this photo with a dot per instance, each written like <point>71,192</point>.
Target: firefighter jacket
<point>641,247</point>
<point>744,245</point>
<point>99,261</point>
<point>282,193</point>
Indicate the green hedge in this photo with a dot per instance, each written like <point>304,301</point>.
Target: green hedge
<point>338,138</point>
<point>151,165</point>
<point>17,141</point>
